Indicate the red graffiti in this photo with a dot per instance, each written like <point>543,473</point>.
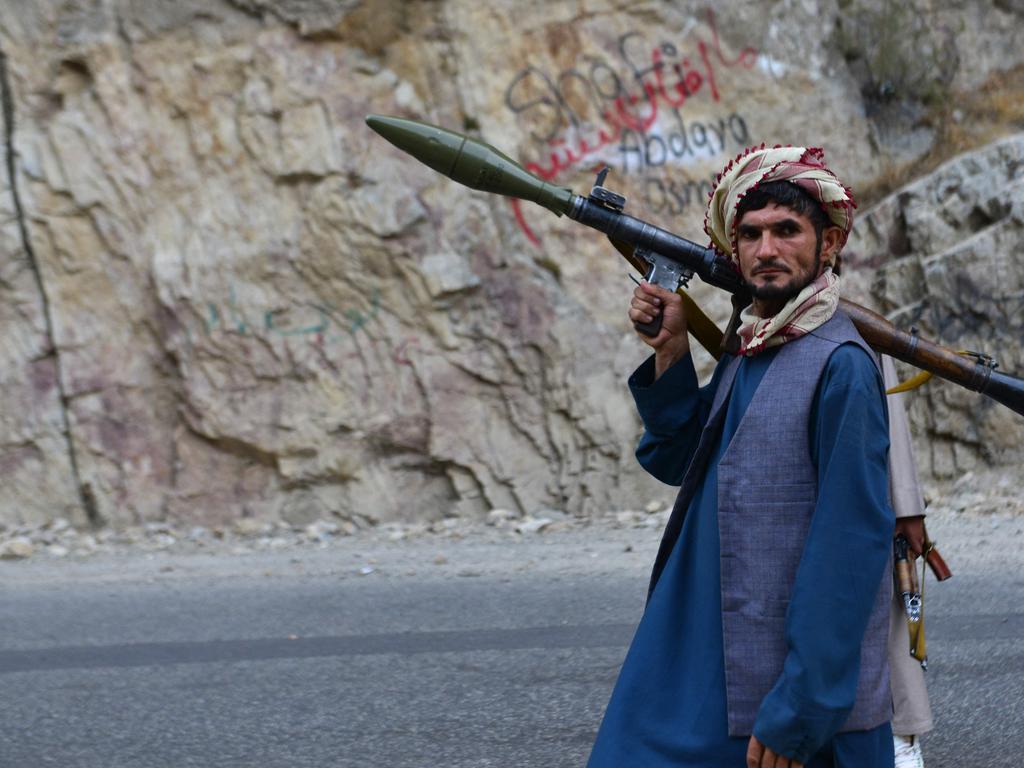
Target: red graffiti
<point>399,357</point>
<point>636,113</point>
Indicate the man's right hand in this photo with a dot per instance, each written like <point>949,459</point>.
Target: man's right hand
<point>671,344</point>
<point>760,756</point>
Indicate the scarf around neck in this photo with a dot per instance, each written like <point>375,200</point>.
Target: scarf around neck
<point>812,307</point>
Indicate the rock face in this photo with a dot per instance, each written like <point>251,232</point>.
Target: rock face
<point>224,297</point>
<point>947,248</point>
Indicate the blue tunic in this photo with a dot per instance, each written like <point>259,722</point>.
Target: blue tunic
<point>668,709</point>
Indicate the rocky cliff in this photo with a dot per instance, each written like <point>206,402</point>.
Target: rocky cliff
<point>224,297</point>
<point>945,255</point>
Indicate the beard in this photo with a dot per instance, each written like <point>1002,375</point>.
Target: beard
<point>782,292</point>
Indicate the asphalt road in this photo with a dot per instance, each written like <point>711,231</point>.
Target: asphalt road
<point>446,654</point>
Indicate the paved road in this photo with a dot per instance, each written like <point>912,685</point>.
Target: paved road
<point>490,660</point>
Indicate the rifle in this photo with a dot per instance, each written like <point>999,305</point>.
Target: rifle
<point>666,259</point>
<point>912,591</point>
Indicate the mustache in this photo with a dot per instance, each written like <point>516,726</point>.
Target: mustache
<point>771,265</point>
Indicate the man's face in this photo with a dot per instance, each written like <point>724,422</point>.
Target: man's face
<point>779,253</point>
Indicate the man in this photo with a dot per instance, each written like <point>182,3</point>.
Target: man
<point>912,713</point>
<point>764,638</point>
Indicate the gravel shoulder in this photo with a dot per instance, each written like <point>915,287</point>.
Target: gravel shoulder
<point>976,522</point>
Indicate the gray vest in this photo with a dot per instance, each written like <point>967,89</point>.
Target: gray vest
<point>753,509</point>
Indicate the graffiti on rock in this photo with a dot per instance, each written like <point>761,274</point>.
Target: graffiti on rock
<point>318,326</point>
<point>645,107</point>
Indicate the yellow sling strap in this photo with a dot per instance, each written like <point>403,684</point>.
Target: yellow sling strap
<point>912,383</point>
<point>916,381</point>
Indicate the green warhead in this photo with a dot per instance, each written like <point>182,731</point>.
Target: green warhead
<point>470,162</point>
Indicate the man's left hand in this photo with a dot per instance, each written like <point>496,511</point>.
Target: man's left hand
<point>760,756</point>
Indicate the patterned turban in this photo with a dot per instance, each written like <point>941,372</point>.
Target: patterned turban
<point>802,166</point>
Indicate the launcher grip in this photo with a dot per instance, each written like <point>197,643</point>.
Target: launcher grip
<point>652,328</point>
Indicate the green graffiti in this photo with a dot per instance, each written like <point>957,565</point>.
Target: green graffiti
<point>317,328</point>
<point>213,320</point>
<point>240,325</point>
<point>356,320</point>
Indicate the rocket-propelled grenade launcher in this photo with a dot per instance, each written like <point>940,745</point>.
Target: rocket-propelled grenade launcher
<point>669,260</point>
<point>665,258</point>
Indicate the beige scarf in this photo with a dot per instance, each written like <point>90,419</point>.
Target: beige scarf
<point>813,306</point>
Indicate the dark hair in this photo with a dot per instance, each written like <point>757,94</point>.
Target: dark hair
<point>788,195</point>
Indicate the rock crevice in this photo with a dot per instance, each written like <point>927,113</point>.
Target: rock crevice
<point>7,110</point>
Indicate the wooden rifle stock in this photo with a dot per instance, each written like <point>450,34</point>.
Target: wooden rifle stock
<point>934,559</point>
<point>974,371</point>
<point>937,564</point>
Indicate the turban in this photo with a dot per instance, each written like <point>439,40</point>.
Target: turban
<point>804,167</point>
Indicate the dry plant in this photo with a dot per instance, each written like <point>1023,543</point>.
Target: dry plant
<point>965,121</point>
